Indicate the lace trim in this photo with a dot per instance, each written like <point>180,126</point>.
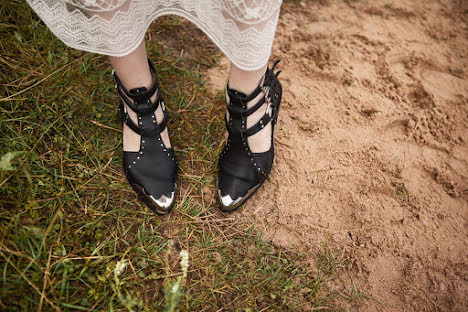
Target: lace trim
<point>243,30</point>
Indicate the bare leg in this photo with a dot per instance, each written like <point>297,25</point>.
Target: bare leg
<point>246,82</point>
<point>134,72</point>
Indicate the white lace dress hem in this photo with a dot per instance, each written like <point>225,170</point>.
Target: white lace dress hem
<point>243,30</point>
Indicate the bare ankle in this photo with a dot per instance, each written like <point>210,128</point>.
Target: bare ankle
<point>245,81</point>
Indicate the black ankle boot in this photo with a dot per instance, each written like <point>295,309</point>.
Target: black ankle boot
<point>152,171</point>
<point>242,172</point>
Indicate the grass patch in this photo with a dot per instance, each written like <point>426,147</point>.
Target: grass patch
<point>73,235</point>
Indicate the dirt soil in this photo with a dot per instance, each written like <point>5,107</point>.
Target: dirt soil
<point>372,146</point>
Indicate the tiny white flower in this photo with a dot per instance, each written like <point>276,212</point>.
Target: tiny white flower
<point>184,262</point>
<point>120,267</point>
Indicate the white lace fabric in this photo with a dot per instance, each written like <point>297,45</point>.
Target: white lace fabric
<point>243,30</point>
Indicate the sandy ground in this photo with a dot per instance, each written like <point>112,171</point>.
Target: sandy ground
<point>372,146</point>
